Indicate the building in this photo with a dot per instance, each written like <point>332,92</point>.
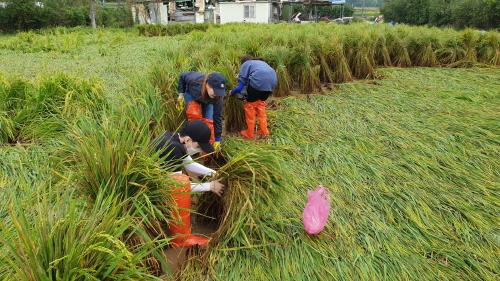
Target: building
<point>220,11</point>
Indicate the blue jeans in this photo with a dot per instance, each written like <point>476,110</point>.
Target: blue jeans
<point>207,109</point>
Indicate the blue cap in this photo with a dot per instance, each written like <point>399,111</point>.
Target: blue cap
<point>218,83</point>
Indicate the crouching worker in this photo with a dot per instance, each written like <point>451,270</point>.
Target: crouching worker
<point>260,80</point>
<point>177,149</point>
<point>203,97</point>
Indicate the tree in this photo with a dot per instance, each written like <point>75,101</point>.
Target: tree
<point>483,14</point>
<point>92,14</point>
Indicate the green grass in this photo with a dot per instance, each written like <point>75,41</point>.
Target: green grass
<point>368,12</point>
<point>411,158</point>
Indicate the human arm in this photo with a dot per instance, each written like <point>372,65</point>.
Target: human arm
<point>238,89</point>
<point>181,88</point>
<point>215,186</point>
<point>196,168</point>
<point>218,108</point>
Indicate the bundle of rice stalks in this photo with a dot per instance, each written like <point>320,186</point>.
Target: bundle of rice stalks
<point>489,48</point>
<point>362,59</point>
<point>306,69</point>
<point>468,40</point>
<point>234,114</point>
<point>254,181</point>
<point>278,58</point>
<point>320,48</point>
<point>382,54</point>
<point>423,47</point>
<point>339,62</point>
<point>401,52</point>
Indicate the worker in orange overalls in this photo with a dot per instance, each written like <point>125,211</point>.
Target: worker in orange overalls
<point>258,79</point>
<point>203,97</point>
<point>176,150</point>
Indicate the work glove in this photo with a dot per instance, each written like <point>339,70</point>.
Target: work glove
<point>216,144</point>
<point>180,104</point>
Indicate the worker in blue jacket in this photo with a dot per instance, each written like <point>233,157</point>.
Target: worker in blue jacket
<point>259,79</point>
<point>203,96</point>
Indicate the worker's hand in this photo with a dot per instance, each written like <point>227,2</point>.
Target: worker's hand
<point>217,187</point>
<point>216,145</point>
<point>230,93</point>
<point>180,102</point>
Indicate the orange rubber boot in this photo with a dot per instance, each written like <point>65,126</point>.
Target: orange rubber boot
<point>193,111</point>
<point>182,230</point>
<point>261,114</point>
<point>210,124</point>
<point>250,119</point>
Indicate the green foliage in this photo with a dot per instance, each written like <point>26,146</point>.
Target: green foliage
<point>172,29</point>
<point>366,3</point>
<point>330,12</point>
<point>411,159</point>
<point>24,15</point>
<point>112,158</point>
<point>456,13</point>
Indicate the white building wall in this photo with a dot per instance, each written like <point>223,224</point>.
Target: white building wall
<point>234,12</point>
<point>158,13</point>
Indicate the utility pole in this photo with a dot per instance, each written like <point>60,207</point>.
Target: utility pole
<point>92,14</point>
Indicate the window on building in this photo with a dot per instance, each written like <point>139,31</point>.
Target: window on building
<point>249,11</point>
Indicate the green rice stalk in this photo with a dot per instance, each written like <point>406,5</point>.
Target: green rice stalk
<point>402,56</point>
<point>278,58</point>
<point>383,53</point>
<point>253,182</point>
<point>52,237</point>
<point>234,114</point>
<point>306,69</point>
<point>489,48</point>
<point>362,59</point>
<point>339,63</point>
<point>112,157</point>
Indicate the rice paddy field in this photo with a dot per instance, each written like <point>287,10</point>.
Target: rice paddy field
<point>401,124</point>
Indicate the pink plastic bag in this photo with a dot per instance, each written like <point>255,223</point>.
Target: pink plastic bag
<point>317,210</point>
